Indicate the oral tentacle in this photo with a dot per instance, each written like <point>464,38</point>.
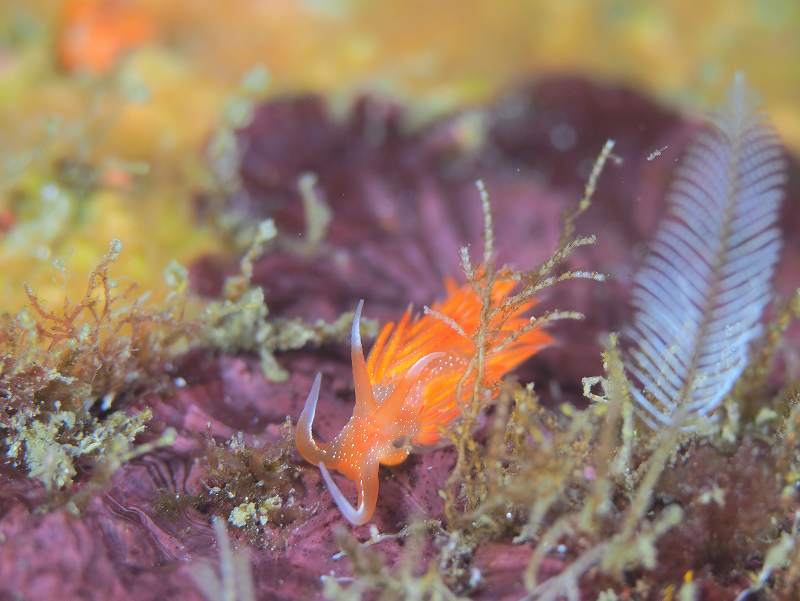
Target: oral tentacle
<point>308,447</point>
<point>367,494</point>
<point>365,400</point>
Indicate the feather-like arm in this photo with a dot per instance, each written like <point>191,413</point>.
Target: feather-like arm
<point>700,294</point>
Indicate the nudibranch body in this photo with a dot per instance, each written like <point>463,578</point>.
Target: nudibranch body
<point>406,391</point>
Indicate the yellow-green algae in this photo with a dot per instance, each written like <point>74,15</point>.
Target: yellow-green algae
<point>64,368</point>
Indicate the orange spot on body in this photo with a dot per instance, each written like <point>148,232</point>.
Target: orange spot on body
<point>407,390</point>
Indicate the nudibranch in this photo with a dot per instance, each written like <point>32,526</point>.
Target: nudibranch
<point>406,390</point>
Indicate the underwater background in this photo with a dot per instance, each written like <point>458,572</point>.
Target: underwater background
<point>195,194</point>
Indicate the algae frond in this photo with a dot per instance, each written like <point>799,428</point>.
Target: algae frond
<point>68,373</point>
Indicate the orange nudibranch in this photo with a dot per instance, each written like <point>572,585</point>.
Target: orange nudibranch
<point>406,390</point>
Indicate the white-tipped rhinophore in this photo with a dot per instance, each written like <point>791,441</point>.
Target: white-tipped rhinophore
<point>365,401</point>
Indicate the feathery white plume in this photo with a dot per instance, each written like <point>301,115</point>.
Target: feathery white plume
<point>700,295</point>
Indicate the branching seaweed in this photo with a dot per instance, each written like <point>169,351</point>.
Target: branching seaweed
<point>252,486</point>
<point>462,482</point>
<point>404,582</point>
<point>63,372</point>
<point>238,323</point>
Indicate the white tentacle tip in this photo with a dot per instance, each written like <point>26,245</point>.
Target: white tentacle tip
<point>355,331</point>
<point>310,406</point>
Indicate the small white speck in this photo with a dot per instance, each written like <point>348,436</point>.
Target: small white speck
<point>561,549</point>
<point>657,153</point>
<point>180,383</point>
<point>107,400</point>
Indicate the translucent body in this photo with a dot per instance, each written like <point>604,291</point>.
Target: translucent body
<point>406,392</point>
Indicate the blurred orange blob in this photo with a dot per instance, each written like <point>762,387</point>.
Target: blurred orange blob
<point>7,220</point>
<point>94,33</point>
